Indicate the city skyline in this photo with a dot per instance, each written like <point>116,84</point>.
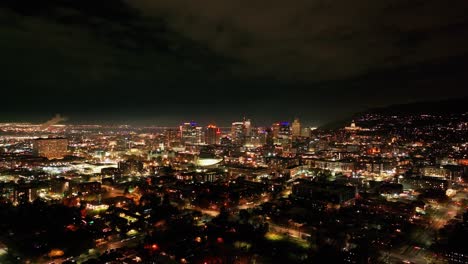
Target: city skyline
<point>233,132</point>
<point>389,186</point>
<point>455,105</point>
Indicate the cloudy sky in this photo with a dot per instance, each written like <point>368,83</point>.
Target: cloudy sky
<point>167,61</point>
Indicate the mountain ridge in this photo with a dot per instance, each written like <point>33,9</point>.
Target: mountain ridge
<point>432,107</point>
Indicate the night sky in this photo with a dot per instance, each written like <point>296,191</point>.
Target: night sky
<point>168,61</point>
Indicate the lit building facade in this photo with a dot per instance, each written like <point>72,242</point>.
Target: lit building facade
<point>190,133</point>
<point>172,137</point>
<point>238,133</point>
<point>296,128</point>
<point>51,148</point>
<point>212,135</point>
<point>282,134</point>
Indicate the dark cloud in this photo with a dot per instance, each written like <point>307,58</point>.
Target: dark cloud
<point>166,60</point>
<point>322,39</point>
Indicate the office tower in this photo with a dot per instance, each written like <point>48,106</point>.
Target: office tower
<point>282,134</point>
<point>275,128</point>
<point>51,148</point>
<point>258,137</point>
<point>296,128</point>
<point>238,133</point>
<point>200,139</point>
<point>191,134</point>
<point>269,139</point>
<point>212,135</point>
<point>248,127</point>
<point>172,137</point>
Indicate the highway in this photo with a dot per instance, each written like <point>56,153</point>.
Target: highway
<point>101,249</point>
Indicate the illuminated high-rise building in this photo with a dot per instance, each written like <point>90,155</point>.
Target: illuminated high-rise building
<point>296,128</point>
<point>51,148</point>
<point>241,132</point>
<point>172,137</point>
<point>238,133</point>
<point>284,130</point>
<point>258,137</point>
<point>275,128</point>
<point>248,127</point>
<point>212,135</point>
<point>269,139</point>
<point>191,134</point>
<point>200,139</point>
<point>282,134</point>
